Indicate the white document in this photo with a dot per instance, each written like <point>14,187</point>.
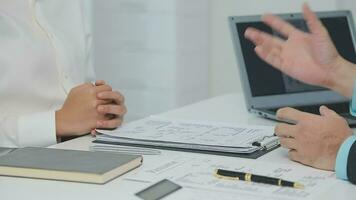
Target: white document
<point>191,135</point>
<point>196,175</point>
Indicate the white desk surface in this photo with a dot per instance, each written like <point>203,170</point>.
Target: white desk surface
<point>227,108</point>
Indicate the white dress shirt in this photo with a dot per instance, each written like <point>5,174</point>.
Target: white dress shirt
<point>45,50</point>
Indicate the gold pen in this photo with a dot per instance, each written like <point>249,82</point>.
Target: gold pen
<point>234,175</point>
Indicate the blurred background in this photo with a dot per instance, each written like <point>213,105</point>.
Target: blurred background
<point>164,54</point>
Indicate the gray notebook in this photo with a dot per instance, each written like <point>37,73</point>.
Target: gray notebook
<point>68,165</point>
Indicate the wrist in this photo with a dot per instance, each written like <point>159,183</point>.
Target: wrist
<point>60,123</point>
<point>342,77</point>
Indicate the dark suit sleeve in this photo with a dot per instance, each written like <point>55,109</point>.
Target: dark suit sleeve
<point>351,164</point>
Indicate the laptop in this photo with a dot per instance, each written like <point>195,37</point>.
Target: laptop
<point>267,89</point>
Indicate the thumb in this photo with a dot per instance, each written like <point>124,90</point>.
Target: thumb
<point>99,82</point>
<point>325,111</point>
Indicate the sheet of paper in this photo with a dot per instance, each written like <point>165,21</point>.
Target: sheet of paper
<point>197,177</point>
<point>204,133</point>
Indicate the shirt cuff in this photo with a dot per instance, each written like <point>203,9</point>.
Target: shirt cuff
<point>353,102</point>
<point>37,130</point>
<point>342,156</point>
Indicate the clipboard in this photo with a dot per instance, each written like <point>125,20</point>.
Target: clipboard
<point>223,139</point>
<point>266,148</point>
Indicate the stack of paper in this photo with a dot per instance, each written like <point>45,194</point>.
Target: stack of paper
<point>203,136</point>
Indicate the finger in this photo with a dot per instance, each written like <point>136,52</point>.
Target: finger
<point>102,88</point>
<point>291,114</point>
<point>103,102</point>
<point>268,48</point>
<point>99,102</point>
<point>119,110</point>
<point>115,96</point>
<point>293,155</point>
<point>285,130</point>
<point>113,123</point>
<point>259,37</point>
<point>278,24</point>
<point>325,111</point>
<point>99,82</point>
<point>314,24</point>
<point>271,56</point>
<point>288,143</point>
<point>93,132</point>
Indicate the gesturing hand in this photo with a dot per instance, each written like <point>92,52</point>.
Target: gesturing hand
<point>309,57</point>
<point>315,139</point>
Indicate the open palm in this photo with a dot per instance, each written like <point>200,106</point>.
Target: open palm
<point>309,57</point>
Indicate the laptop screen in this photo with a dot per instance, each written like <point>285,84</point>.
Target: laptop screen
<point>259,73</point>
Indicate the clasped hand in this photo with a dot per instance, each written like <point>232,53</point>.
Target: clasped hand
<point>88,107</point>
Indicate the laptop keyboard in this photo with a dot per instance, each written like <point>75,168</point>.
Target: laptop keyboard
<point>341,108</point>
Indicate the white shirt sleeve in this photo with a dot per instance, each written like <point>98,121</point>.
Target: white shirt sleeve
<point>45,51</point>
<point>37,129</point>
